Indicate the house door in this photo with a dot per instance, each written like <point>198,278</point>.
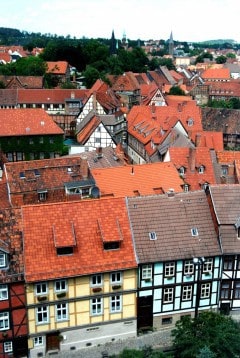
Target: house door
<point>145,312</point>
<point>20,347</point>
<point>53,341</point>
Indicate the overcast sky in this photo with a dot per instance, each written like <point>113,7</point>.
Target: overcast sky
<point>189,20</point>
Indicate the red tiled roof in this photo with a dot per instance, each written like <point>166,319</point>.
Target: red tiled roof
<point>134,180</point>
<point>4,202</point>
<point>57,67</point>
<point>49,95</point>
<point>227,156</point>
<point>22,122</point>
<point>216,73</point>
<point>191,159</point>
<point>84,134</point>
<point>212,140</point>
<point>88,256</point>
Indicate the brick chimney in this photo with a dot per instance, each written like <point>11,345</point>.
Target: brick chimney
<point>84,168</point>
<point>198,139</point>
<point>192,159</point>
<point>99,152</point>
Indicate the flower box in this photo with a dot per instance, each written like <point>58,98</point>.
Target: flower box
<point>61,294</point>
<point>116,287</point>
<point>96,289</point>
<point>42,298</point>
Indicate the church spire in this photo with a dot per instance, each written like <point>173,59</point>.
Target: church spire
<point>113,44</point>
<point>171,45</point>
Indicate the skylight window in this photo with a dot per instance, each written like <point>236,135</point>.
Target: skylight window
<point>152,235</point>
<point>194,231</point>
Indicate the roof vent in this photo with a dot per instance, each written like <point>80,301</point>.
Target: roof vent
<point>42,123</point>
<point>170,193</point>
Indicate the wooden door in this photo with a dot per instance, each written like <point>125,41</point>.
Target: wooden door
<point>145,312</point>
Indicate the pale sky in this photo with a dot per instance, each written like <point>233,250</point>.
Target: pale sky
<point>189,20</point>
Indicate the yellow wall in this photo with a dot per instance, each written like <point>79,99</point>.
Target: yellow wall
<point>77,296</point>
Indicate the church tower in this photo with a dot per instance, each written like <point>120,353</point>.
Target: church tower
<point>113,47</point>
<point>171,45</point>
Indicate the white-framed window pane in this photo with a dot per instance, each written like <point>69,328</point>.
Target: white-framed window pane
<point>169,269</point>
<point>61,310</point>
<point>237,290</point>
<point>187,293</point>
<point>42,314</point>
<point>2,260</point>
<point>96,280</point>
<point>208,265</point>
<point>168,295</point>
<point>4,321</point>
<point>96,306</point>
<point>146,272</point>
<point>116,277</point>
<point>60,285</point>
<point>115,303</point>
<point>41,288</point>
<point>3,292</point>
<point>205,290</point>
<point>38,341</point>
<point>8,347</point>
<point>188,267</point>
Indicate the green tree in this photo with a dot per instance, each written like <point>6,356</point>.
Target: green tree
<point>219,333</point>
<point>221,59</point>
<point>176,91</point>
<point>90,76</point>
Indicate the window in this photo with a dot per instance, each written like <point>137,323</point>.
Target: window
<point>60,285</point>
<point>166,320</point>
<point>61,310</point>
<point>146,272</point>
<point>194,231</point>
<point>115,303</point>
<point>208,265</point>
<point>67,250</point>
<point>237,290</point>
<point>168,295</point>
<point>30,141</point>
<point>205,290</point>
<point>114,245</point>
<point>225,290</point>
<point>169,269</point>
<point>224,170</point>
<point>8,347</point>
<point>41,288</point>
<point>190,122</point>
<point>201,169</point>
<point>42,195</point>
<point>98,140</point>
<point>116,277</point>
<point>51,140</point>
<point>38,341</point>
<point>3,260</point>
<point>152,235</point>
<point>96,306</point>
<point>3,292</point>
<point>186,188</point>
<point>96,280</point>
<point>188,267</point>
<point>4,321</point>
<point>42,314</point>
<point>228,263</point>
<point>187,293</point>
<point>181,170</point>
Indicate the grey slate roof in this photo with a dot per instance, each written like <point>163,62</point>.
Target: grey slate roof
<point>172,218</point>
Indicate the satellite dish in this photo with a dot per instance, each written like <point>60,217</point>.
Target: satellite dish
<point>95,192</point>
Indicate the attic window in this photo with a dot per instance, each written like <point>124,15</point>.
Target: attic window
<point>194,231</point>
<point>201,169</point>
<point>114,245</point>
<point>3,260</point>
<point>22,175</point>
<point>37,173</point>
<point>152,235</point>
<point>190,122</point>
<point>181,171</point>
<point>67,250</point>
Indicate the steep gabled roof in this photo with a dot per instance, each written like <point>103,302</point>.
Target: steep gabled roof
<point>212,140</point>
<point>57,67</point>
<point>94,222</point>
<point>172,217</point>
<point>27,122</point>
<point>191,159</point>
<point>134,180</point>
<point>87,130</point>
<point>216,73</point>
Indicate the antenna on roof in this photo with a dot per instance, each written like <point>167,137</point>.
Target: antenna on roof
<point>132,170</point>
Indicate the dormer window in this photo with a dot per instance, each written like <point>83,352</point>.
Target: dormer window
<point>186,188</point>
<point>61,251</point>
<point>224,170</point>
<point>152,235</point>
<point>201,169</point>
<point>190,122</point>
<point>113,245</point>
<point>181,170</point>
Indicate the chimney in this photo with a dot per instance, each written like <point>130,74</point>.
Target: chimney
<point>192,159</point>
<point>99,152</point>
<point>179,107</point>
<point>153,108</point>
<point>84,168</point>
<point>170,193</point>
<point>198,139</point>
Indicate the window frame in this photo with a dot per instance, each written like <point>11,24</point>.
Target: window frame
<point>60,289</point>
<point>44,311</point>
<point>225,292</point>
<point>169,269</point>
<point>3,260</point>
<point>205,291</point>
<point>38,341</point>
<point>95,278</point>
<point>4,318</point>
<point>96,306</point>
<point>236,290</point>
<point>115,304</point>
<point>187,293</point>
<point>146,271</point>
<point>40,285</point>
<point>168,295</point>
<point>3,289</point>
<point>228,263</point>
<point>8,347</point>
<point>188,268</point>
<point>61,312</point>
<point>117,279</point>
<point>207,265</point>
